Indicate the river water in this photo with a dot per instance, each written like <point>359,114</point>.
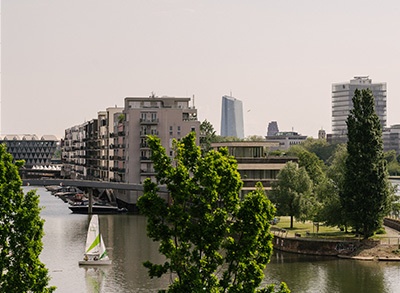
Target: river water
<point>128,247</point>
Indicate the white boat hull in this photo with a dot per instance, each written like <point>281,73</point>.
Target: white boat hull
<point>104,262</point>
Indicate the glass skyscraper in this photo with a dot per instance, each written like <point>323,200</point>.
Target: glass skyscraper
<point>232,117</point>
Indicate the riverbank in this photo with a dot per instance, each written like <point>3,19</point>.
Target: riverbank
<point>383,247</point>
<point>380,252</point>
<point>383,251</point>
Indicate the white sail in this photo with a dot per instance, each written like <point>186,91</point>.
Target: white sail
<point>93,237</point>
<point>95,250</point>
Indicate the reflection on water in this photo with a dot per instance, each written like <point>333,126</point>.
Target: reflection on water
<point>128,247</point>
<point>127,244</point>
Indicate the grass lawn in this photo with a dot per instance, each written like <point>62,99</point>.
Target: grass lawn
<point>302,229</point>
<point>307,229</point>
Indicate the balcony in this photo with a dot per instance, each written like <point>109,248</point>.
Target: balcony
<point>153,121</point>
<point>147,172</point>
<point>149,132</point>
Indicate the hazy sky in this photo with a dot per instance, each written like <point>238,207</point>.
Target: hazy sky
<point>63,61</point>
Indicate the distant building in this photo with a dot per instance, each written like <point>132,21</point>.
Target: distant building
<point>232,117</point>
<point>88,148</point>
<point>391,139</point>
<point>272,128</point>
<point>322,134</point>
<point>38,154</point>
<point>286,139</point>
<point>342,95</point>
<point>75,152</point>
<point>107,121</point>
<point>254,162</point>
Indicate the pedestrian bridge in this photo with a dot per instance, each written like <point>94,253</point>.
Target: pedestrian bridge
<point>87,184</point>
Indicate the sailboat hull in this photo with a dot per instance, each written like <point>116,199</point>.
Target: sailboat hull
<point>104,262</point>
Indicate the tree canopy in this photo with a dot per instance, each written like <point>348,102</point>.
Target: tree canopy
<point>207,135</point>
<point>21,232</point>
<point>212,240</point>
<point>366,194</point>
<point>291,192</point>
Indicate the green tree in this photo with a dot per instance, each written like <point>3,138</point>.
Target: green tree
<point>392,163</point>
<point>320,147</point>
<point>291,192</point>
<point>390,156</point>
<point>207,135</point>
<point>315,168</point>
<point>332,211</point>
<point>255,138</point>
<point>366,195</point>
<point>21,232</point>
<point>212,241</point>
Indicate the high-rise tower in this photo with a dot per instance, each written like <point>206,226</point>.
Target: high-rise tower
<point>272,128</point>
<point>232,117</point>
<point>342,103</point>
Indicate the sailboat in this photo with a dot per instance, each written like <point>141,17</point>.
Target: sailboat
<point>95,250</point>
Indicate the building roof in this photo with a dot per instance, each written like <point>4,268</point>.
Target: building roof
<point>245,144</point>
<point>28,137</point>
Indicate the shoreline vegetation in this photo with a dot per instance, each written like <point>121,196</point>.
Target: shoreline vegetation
<point>384,246</point>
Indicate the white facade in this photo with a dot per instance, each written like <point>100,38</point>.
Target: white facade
<point>286,139</point>
<point>342,95</point>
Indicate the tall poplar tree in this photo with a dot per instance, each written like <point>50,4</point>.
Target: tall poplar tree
<point>212,240</point>
<point>366,194</point>
<point>21,232</point>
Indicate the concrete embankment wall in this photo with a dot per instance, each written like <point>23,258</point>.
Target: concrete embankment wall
<point>392,223</point>
<point>314,246</point>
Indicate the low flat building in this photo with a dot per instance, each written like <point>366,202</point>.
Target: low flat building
<point>391,139</point>
<point>254,162</point>
<point>286,139</point>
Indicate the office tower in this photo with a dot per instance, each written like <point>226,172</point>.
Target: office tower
<point>232,117</point>
<point>342,95</point>
<point>272,128</point>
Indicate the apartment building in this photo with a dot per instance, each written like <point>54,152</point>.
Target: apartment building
<point>166,117</point>
<point>117,146</point>
<point>74,152</point>
<point>87,149</point>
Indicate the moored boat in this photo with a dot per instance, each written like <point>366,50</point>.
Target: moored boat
<point>96,209</point>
